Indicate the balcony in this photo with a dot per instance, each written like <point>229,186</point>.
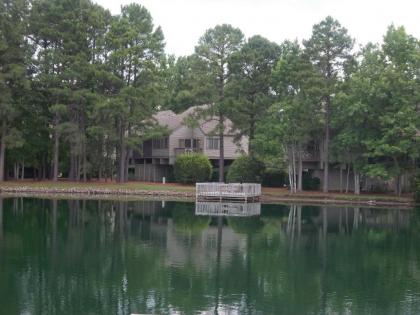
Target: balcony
<point>179,151</point>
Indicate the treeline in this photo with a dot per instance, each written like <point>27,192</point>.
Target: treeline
<point>79,86</point>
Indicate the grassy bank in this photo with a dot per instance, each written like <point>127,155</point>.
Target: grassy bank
<point>188,191</point>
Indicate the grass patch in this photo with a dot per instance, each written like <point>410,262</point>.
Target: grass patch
<point>99,185</point>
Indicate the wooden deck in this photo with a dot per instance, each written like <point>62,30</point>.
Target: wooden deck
<point>228,209</point>
<point>235,192</point>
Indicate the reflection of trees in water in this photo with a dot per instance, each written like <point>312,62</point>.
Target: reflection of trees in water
<point>104,258</point>
<point>186,221</point>
<point>1,218</point>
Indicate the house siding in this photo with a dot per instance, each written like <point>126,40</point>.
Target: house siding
<point>231,149</point>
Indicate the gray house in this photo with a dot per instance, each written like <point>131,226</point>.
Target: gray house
<point>156,158</point>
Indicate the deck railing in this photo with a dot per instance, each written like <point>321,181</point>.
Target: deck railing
<point>222,190</point>
<point>234,209</point>
<point>179,151</point>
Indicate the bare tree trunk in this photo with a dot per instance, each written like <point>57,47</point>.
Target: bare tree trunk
<point>127,159</point>
<point>121,166</point>
<point>398,189</point>
<point>16,171</point>
<point>294,167</point>
<point>291,168</point>
<point>251,136</point>
<point>84,162</point>
<point>347,178</point>
<point>326,145</point>
<point>2,150</point>
<point>300,170</point>
<point>56,155</point>
<point>356,183</point>
<point>221,149</point>
<point>22,174</point>
<point>341,178</point>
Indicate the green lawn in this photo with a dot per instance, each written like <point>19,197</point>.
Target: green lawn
<point>99,185</point>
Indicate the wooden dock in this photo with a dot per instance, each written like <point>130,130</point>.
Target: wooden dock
<point>246,192</point>
<point>227,209</point>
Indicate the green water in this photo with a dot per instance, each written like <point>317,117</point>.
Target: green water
<point>113,257</point>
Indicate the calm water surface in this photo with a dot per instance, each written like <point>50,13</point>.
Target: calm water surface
<point>114,257</point>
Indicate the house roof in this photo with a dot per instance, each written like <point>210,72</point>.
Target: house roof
<point>208,125</point>
<point>168,119</point>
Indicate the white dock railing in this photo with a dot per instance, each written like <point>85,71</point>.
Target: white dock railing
<point>222,190</point>
<point>229,209</point>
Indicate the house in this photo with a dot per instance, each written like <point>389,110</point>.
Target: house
<point>157,157</point>
<point>312,162</point>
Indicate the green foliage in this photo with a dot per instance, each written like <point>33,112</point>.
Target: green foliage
<point>186,221</point>
<point>416,189</point>
<point>192,168</point>
<point>246,225</point>
<point>186,83</point>
<point>214,49</point>
<point>274,178</point>
<point>245,169</point>
<point>309,182</point>
<point>249,90</point>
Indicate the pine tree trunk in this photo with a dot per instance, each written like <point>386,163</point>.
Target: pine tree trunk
<point>2,150</point>
<point>221,150</point>
<point>326,145</point>
<point>300,171</point>
<point>251,136</point>
<point>356,183</point>
<point>347,178</point>
<point>121,164</point>
<point>127,159</point>
<point>341,178</point>
<point>16,171</point>
<point>84,162</point>
<point>294,168</point>
<point>398,189</point>
<point>56,156</point>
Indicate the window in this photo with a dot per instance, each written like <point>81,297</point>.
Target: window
<point>160,143</point>
<point>189,143</point>
<point>212,143</point>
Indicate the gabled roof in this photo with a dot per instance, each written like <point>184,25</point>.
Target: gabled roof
<point>173,121</point>
<point>168,119</point>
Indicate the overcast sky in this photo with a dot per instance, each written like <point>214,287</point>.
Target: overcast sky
<point>184,21</point>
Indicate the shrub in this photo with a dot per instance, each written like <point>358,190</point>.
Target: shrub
<point>309,182</point>
<point>274,178</point>
<point>245,169</point>
<point>192,168</point>
<point>416,188</point>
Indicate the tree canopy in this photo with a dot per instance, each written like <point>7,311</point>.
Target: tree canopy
<point>79,87</point>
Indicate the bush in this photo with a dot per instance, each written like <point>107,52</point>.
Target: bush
<point>274,178</point>
<point>192,168</point>
<point>309,182</point>
<point>416,188</point>
<point>245,169</point>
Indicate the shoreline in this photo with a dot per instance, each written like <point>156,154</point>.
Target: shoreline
<point>187,193</point>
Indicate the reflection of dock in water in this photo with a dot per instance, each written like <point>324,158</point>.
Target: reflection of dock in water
<point>230,209</point>
<point>224,192</point>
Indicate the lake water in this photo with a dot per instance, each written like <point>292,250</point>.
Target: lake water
<point>154,257</point>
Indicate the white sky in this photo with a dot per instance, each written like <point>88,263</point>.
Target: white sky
<point>184,21</point>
